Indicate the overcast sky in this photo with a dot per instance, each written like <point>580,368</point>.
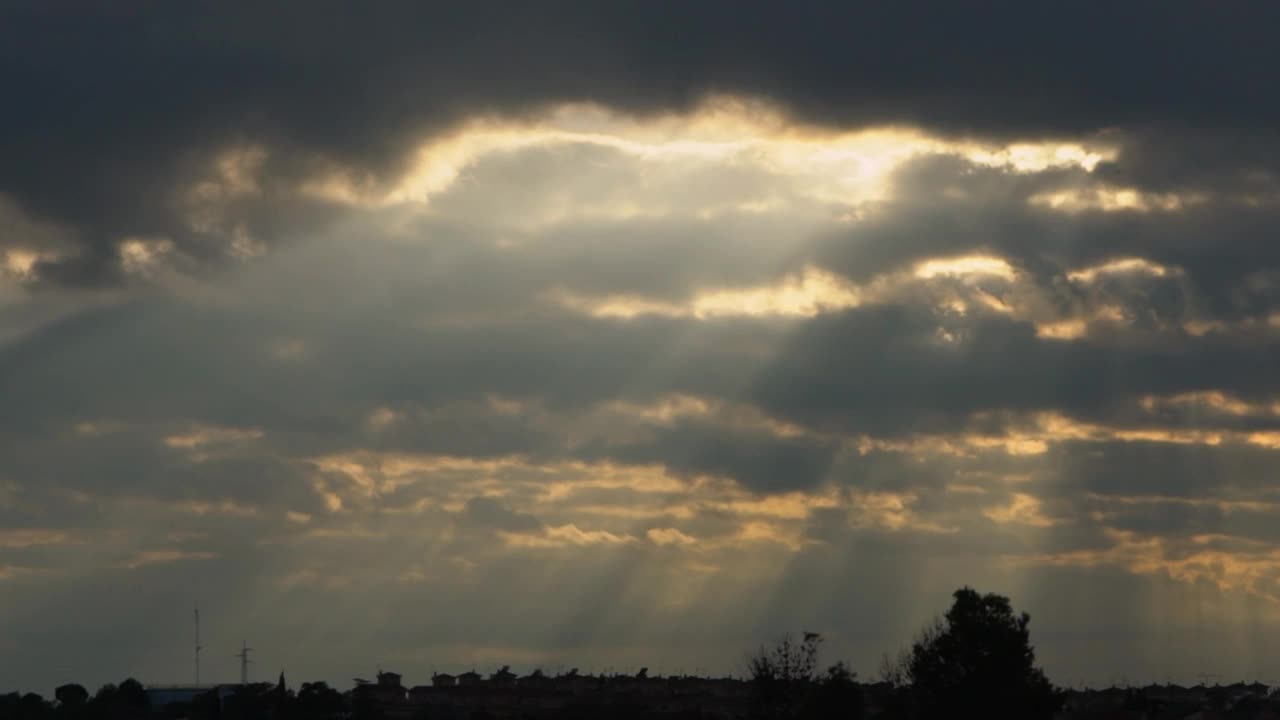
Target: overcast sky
<point>435,336</point>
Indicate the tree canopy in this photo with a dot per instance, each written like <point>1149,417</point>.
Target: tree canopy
<point>978,661</point>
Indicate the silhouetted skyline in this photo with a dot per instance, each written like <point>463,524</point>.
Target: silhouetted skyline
<point>975,660</point>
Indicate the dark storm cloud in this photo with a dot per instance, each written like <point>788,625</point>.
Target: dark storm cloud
<point>117,109</point>
<point>758,461</point>
<point>138,463</point>
<point>1184,472</point>
<point>1243,161</point>
<point>884,370</point>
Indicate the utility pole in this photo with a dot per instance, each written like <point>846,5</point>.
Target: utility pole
<point>244,662</point>
<point>198,648</point>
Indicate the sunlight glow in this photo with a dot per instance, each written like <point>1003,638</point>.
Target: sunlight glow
<point>141,255</point>
<point>202,435</point>
<point>1023,509</point>
<point>14,538</point>
<point>968,265</point>
<point>1040,431</point>
<point>800,295</point>
<point>832,166</point>
<point>156,557</point>
<point>1029,158</point>
<point>1131,265</point>
<point>889,511</point>
<point>1108,199</point>
<point>812,292</point>
<point>1239,567</point>
<point>1214,400</point>
<point>669,536</point>
<point>564,536</point>
<point>20,262</point>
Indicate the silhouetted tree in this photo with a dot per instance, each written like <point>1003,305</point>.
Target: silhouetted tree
<point>29,706</point>
<point>781,673</point>
<point>103,704</point>
<point>319,701</point>
<point>895,671</point>
<point>127,701</point>
<point>133,698</point>
<point>897,702</point>
<point>978,662</point>
<point>71,695</point>
<point>787,684</point>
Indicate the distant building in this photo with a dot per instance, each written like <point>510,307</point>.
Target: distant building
<point>443,680</point>
<point>504,678</point>
<point>159,696</point>
<point>386,693</point>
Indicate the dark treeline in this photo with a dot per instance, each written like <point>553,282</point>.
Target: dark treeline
<point>129,701</point>
<point>126,700</point>
<point>975,661</point>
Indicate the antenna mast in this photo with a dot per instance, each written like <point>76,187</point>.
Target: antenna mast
<point>198,647</point>
<point>244,663</point>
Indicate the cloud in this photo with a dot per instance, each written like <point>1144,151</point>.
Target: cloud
<point>669,536</point>
<point>181,121</point>
<point>638,353</point>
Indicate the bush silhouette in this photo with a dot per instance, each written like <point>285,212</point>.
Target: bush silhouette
<point>786,683</point>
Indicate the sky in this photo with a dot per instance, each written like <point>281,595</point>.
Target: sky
<point>440,336</point>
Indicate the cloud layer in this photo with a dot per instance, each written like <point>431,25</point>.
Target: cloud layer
<point>583,342</point>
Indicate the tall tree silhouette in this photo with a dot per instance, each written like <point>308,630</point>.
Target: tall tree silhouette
<point>978,662</point>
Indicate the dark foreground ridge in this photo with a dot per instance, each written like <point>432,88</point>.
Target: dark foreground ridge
<point>471,696</point>
<point>974,662</point>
